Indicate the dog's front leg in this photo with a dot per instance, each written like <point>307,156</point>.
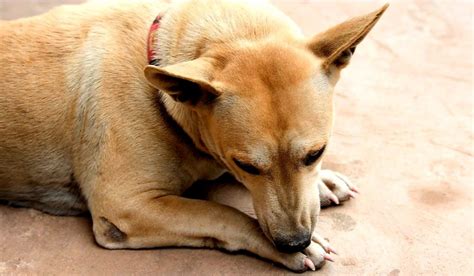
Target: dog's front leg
<point>144,222</point>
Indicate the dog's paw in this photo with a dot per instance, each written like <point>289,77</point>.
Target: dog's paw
<point>312,258</point>
<point>335,188</point>
<point>319,252</point>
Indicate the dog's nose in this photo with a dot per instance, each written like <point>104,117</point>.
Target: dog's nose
<point>293,244</point>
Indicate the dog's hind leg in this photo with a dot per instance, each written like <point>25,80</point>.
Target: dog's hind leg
<point>60,199</point>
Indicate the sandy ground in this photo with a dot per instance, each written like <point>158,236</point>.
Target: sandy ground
<point>404,133</point>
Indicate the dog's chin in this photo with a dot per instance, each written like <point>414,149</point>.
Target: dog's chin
<point>264,227</point>
<point>265,230</point>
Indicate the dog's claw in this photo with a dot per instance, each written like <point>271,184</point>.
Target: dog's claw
<point>309,264</point>
<point>354,189</point>
<point>330,249</point>
<point>334,198</point>
<point>324,243</point>
<point>352,194</point>
<point>328,257</point>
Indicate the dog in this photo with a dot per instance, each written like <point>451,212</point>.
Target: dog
<point>116,109</point>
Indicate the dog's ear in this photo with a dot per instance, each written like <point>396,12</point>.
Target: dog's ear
<point>336,45</point>
<point>187,82</point>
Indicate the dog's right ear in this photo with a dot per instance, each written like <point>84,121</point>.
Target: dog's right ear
<point>336,45</point>
<point>187,82</point>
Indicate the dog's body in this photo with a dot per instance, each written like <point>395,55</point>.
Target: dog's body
<point>82,129</point>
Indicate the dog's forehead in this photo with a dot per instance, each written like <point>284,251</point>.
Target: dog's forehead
<point>285,75</point>
<point>274,66</point>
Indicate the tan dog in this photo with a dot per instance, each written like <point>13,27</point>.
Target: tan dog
<point>237,88</point>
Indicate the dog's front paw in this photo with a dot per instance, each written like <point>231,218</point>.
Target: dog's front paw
<point>335,188</point>
<point>312,258</point>
<point>318,252</point>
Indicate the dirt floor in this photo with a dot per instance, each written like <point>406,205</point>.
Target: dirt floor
<point>404,134</point>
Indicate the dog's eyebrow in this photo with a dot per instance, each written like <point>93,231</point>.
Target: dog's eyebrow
<point>301,146</point>
<point>321,148</point>
<point>259,158</point>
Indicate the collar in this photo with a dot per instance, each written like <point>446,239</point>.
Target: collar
<point>152,41</point>
<point>153,59</point>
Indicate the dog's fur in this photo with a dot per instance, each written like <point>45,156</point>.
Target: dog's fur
<point>86,124</point>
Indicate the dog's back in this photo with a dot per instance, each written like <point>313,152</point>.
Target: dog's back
<point>51,67</point>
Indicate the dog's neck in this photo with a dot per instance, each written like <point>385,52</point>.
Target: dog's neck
<point>157,53</point>
<point>183,37</point>
<point>187,120</point>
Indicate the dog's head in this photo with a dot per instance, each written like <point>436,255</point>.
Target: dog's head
<point>265,111</point>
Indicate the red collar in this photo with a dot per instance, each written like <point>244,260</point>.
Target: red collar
<point>151,50</point>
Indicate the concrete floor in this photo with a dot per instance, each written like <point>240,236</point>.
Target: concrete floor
<point>404,133</point>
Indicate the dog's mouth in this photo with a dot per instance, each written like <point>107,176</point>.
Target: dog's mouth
<point>289,233</point>
<point>288,243</point>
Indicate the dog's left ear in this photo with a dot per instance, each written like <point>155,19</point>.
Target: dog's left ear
<point>187,82</point>
<point>336,45</point>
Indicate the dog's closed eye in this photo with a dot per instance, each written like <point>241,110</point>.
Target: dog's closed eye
<point>313,156</point>
<point>248,168</point>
